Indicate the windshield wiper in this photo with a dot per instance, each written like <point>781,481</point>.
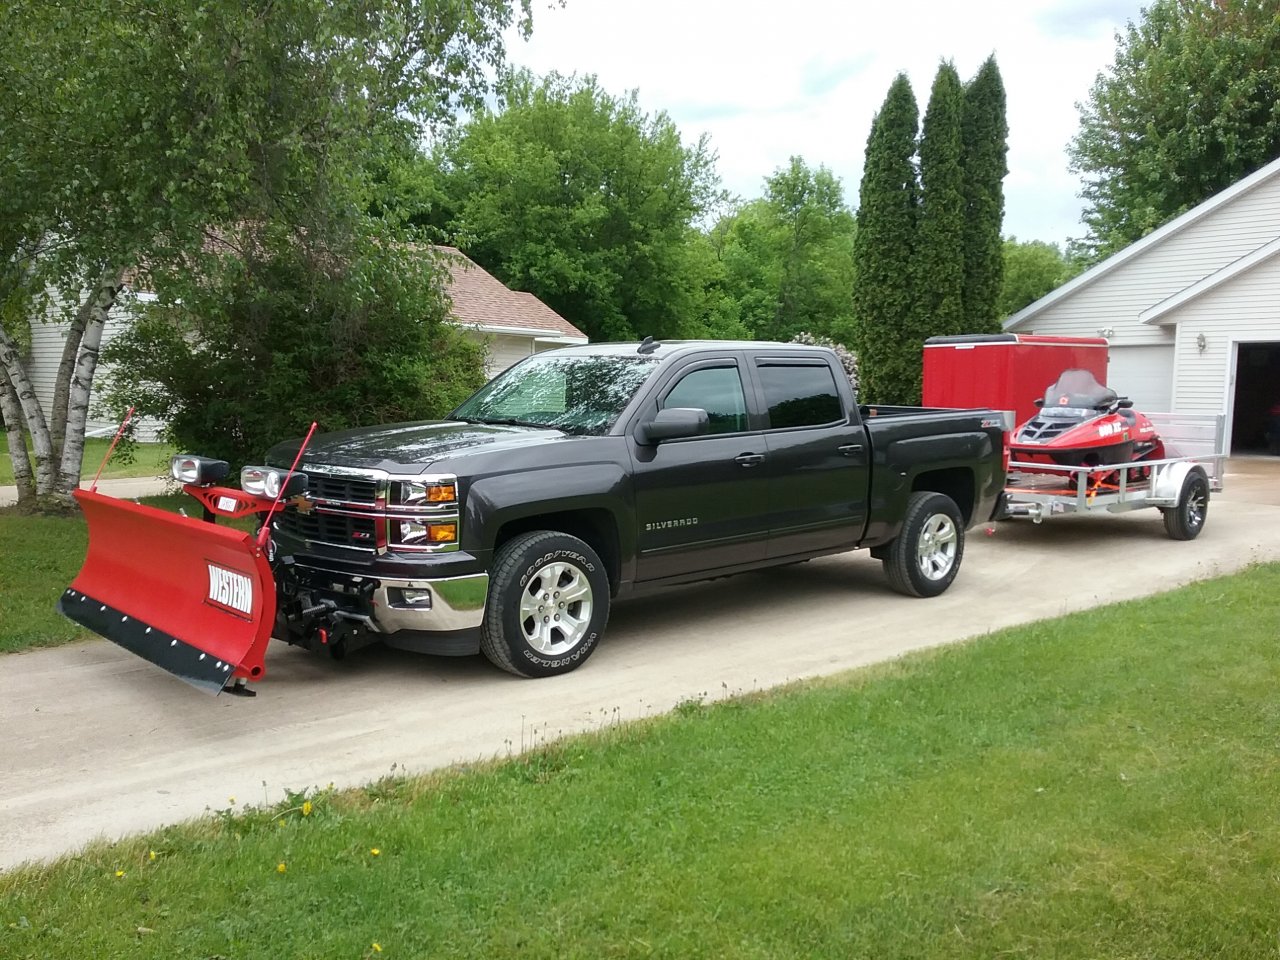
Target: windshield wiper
<point>505,422</point>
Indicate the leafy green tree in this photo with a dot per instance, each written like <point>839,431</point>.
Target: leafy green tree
<point>1190,105</point>
<point>788,257</point>
<point>941,255</point>
<point>136,140</point>
<point>583,199</point>
<point>1031,269</point>
<point>884,295</point>
<point>984,133</point>
<point>265,342</point>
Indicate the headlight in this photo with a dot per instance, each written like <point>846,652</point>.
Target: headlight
<point>254,480</point>
<point>424,493</point>
<point>187,468</point>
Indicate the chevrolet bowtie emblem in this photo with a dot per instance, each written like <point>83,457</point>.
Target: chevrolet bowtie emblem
<point>302,503</point>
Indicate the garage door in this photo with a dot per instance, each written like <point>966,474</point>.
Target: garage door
<point>1144,375</point>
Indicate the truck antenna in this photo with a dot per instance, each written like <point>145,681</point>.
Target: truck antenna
<point>648,345</point>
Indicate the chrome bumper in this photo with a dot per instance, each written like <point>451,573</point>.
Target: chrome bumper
<point>457,603</point>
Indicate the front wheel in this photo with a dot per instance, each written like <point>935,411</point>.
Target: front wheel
<point>926,556</point>
<point>1186,520</point>
<point>548,605</point>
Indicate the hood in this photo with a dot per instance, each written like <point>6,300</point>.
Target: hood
<point>413,445</point>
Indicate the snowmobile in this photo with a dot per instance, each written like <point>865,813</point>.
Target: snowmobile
<point>1081,423</point>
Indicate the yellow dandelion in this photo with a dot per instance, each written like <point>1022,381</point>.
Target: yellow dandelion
<point>119,874</point>
<point>280,823</point>
<point>151,855</point>
<point>281,868</point>
<point>231,800</point>
<point>306,808</point>
<point>376,947</point>
<point>373,852</point>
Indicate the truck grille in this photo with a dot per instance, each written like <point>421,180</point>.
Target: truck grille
<point>332,528</point>
<point>359,510</point>
<point>328,486</point>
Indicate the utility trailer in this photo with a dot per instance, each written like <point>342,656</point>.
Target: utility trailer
<point>1178,486</point>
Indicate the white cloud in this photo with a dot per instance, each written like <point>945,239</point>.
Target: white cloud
<point>769,80</point>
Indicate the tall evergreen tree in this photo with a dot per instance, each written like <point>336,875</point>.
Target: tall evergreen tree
<point>884,301</point>
<point>984,134</point>
<point>940,262</point>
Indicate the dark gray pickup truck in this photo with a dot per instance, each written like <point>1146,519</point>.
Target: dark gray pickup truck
<point>591,473</point>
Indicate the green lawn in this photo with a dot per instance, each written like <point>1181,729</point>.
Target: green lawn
<point>1104,785</point>
<point>39,556</point>
<point>146,460</point>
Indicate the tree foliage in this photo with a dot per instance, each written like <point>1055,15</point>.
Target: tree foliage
<point>1190,105</point>
<point>280,333</point>
<point>984,134</point>
<point>137,137</point>
<point>940,259</point>
<point>1031,269</point>
<point>582,199</point>
<point>884,296</point>
<point>788,257</point>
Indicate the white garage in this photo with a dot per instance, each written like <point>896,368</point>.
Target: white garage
<point>1191,311</point>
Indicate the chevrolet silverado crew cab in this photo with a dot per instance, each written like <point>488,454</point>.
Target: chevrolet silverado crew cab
<point>577,477</point>
<point>586,474</point>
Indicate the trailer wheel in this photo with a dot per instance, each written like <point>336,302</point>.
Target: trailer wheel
<point>926,555</point>
<point>548,605</point>
<point>1186,520</point>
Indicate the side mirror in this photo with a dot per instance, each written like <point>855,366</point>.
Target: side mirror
<point>1124,403</point>
<point>675,423</point>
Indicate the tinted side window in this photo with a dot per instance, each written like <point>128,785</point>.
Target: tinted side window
<point>717,390</point>
<point>800,396</point>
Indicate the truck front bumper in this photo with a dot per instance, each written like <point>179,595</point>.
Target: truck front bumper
<point>445,605</point>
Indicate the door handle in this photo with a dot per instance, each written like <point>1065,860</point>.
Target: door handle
<point>750,459</point>
<point>851,449</point>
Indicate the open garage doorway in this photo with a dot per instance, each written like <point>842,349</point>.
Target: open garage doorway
<point>1255,418</point>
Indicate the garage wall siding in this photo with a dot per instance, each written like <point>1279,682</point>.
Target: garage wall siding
<point>1117,298</point>
<point>1247,307</point>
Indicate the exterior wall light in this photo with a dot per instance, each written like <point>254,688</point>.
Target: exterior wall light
<point>1201,343</point>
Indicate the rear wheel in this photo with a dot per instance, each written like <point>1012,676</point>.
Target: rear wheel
<point>548,605</point>
<point>1186,520</point>
<point>926,556</point>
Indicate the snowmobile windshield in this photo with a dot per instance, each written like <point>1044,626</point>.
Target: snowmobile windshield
<point>1067,413</point>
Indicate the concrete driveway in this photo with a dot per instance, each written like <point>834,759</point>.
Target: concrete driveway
<point>99,743</point>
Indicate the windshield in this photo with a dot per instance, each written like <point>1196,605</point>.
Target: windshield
<point>575,393</point>
<point>1068,413</point>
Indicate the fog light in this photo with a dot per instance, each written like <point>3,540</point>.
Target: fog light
<point>406,597</point>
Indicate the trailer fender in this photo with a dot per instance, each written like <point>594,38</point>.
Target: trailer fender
<point>1166,486</point>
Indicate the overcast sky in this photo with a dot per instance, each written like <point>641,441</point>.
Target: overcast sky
<point>769,80</point>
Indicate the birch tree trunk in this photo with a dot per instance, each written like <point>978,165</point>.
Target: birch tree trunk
<point>62,385</point>
<point>29,403</point>
<point>101,301</point>
<point>11,409</point>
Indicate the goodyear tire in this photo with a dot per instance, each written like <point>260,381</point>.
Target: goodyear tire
<point>925,558</point>
<point>548,605</point>
<point>1186,520</point>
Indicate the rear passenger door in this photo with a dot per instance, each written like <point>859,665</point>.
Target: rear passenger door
<point>818,460</point>
<point>700,501</point>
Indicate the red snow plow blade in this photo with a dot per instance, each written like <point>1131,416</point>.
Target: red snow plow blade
<point>192,597</point>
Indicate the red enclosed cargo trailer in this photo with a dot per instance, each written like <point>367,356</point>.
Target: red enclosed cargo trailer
<point>1004,371</point>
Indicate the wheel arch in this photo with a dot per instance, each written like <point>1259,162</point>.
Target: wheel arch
<point>595,526</point>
